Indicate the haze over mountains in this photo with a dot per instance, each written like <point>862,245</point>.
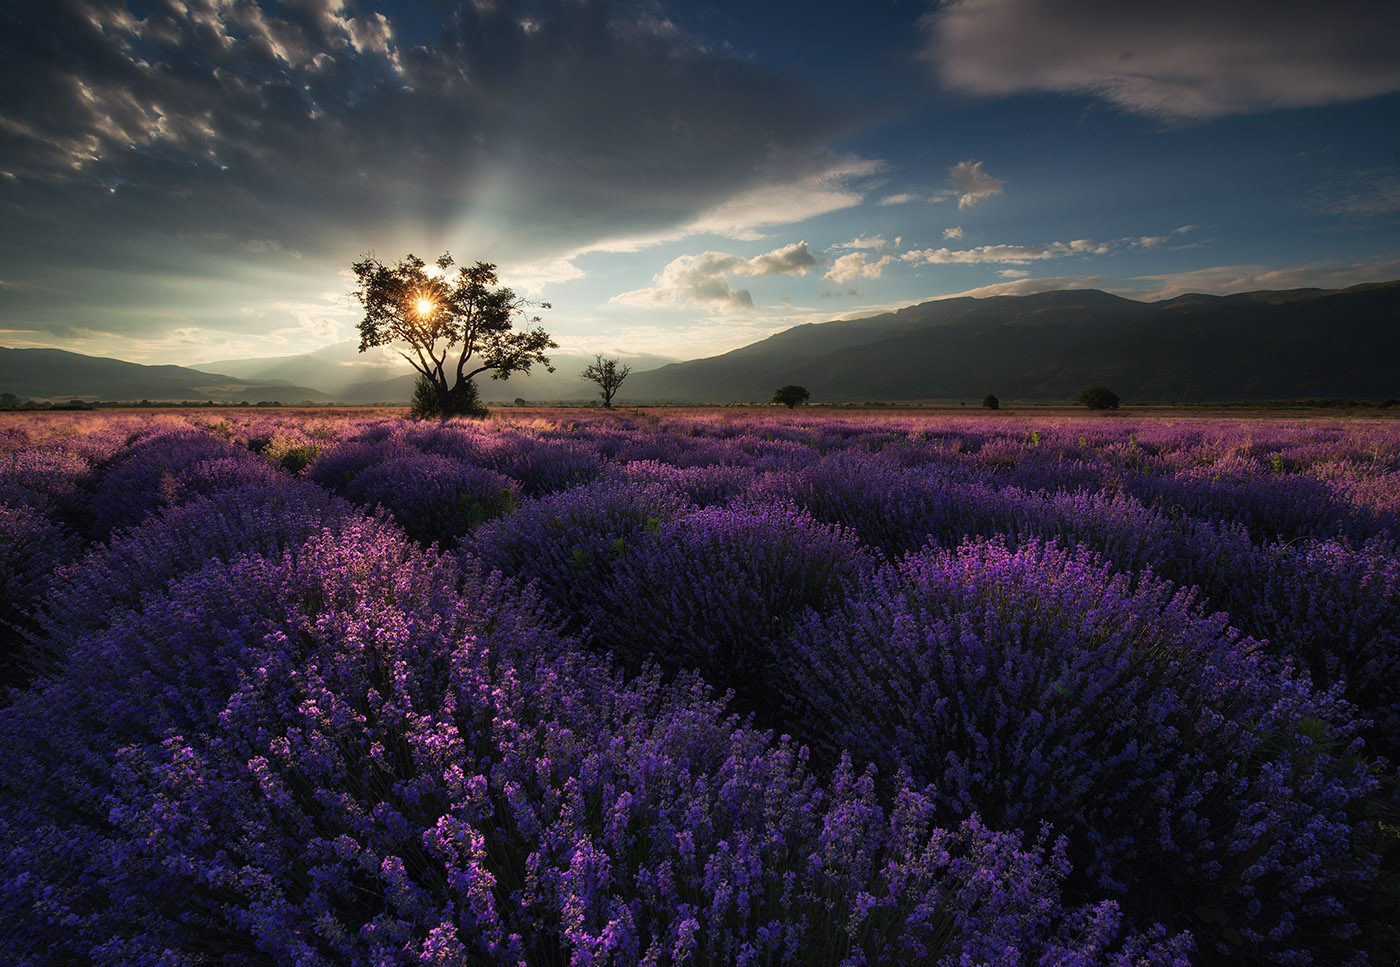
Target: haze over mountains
<point>1272,345</point>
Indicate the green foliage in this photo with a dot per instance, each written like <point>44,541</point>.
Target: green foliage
<point>791,396</point>
<point>430,403</point>
<point>991,402</point>
<point>1099,398</point>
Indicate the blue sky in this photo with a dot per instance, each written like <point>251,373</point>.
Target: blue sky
<point>183,182</point>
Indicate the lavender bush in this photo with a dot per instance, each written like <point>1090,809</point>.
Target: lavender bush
<point>355,755</point>
<point>1058,690</point>
<point>1192,773</point>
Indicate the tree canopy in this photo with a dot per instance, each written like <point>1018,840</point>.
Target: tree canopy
<point>456,325</point>
<point>1099,398</point>
<point>608,374</point>
<point>791,395</point>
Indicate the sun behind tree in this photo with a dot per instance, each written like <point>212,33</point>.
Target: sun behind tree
<point>456,326</point>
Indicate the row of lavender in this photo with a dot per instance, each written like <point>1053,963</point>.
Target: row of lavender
<point>1074,691</point>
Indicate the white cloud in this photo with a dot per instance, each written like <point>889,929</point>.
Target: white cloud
<point>786,202</point>
<point>1014,273</point>
<point>704,278</point>
<point>794,259</point>
<point>857,265</point>
<point>1013,254</point>
<point>1191,59</point>
<point>1029,287</point>
<point>903,198</point>
<point>531,277</point>
<point>1021,254</point>
<point>790,193</point>
<point>954,232</point>
<point>876,242</point>
<point>973,183</point>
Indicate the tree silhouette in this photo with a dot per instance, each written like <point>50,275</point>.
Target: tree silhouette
<point>991,402</point>
<point>790,395</point>
<point>456,326</point>
<point>608,375</point>
<point>1099,398</point>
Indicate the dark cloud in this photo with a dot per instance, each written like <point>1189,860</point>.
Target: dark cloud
<point>1190,59</point>
<point>577,112</point>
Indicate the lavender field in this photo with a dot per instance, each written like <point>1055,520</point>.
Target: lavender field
<point>699,687</point>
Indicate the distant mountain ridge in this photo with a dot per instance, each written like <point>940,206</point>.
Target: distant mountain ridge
<point>59,374</point>
<point>1266,345</point>
<point>1292,344</point>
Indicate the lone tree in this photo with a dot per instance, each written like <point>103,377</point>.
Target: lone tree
<point>991,402</point>
<point>456,325</point>
<point>608,374</point>
<point>1099,398</point>
<point>790,396</point>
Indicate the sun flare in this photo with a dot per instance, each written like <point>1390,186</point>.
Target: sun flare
<point>424,307</point>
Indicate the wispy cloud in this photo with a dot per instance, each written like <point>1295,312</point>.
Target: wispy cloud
<point>1217,280</point>
<point>875,242</point>
<point>1367,194</point>
<point>972,183</point>
<point>1023,254</point>
<point>1220,280</point>
<point>704,279</point>
<point>1192,59</point>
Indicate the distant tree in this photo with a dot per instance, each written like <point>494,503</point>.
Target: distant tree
<point>991,402</point>
<point>608,374</point>
<point>9,401</point>
<point>456,326</point>
<point>1099,398</point>
<point>790,396</point>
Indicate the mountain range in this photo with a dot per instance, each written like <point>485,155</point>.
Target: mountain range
<point>1267,345</point>
<point>1294,344</point>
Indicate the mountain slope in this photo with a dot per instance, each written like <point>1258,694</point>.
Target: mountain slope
<point>348,376</point>
<point>58,374</point>
<point>1262,345</point>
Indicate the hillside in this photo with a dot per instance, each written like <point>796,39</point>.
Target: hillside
<point>1291,344</point>
<point>1298,343</point>
<point>55,374</point>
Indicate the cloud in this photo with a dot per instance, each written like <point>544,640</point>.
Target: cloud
<point>323,126</point>
<point>1216,280</point>
<point>973,183</point>
<point>1193,59</point>
<point>794,259</point>
<point>876,242</point>
<point>267,246</point>
<point>1022,254</point>
<point>903,198</point>
<point>793,190</point>
<point>857,265</point>
<point>1030,287</point>
<point>1013,254</point>
<point>1225,279</point>
<point>954,232</point>
<point>1366,195</point>
<point>1014,273</point>
<point>704,278</point>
